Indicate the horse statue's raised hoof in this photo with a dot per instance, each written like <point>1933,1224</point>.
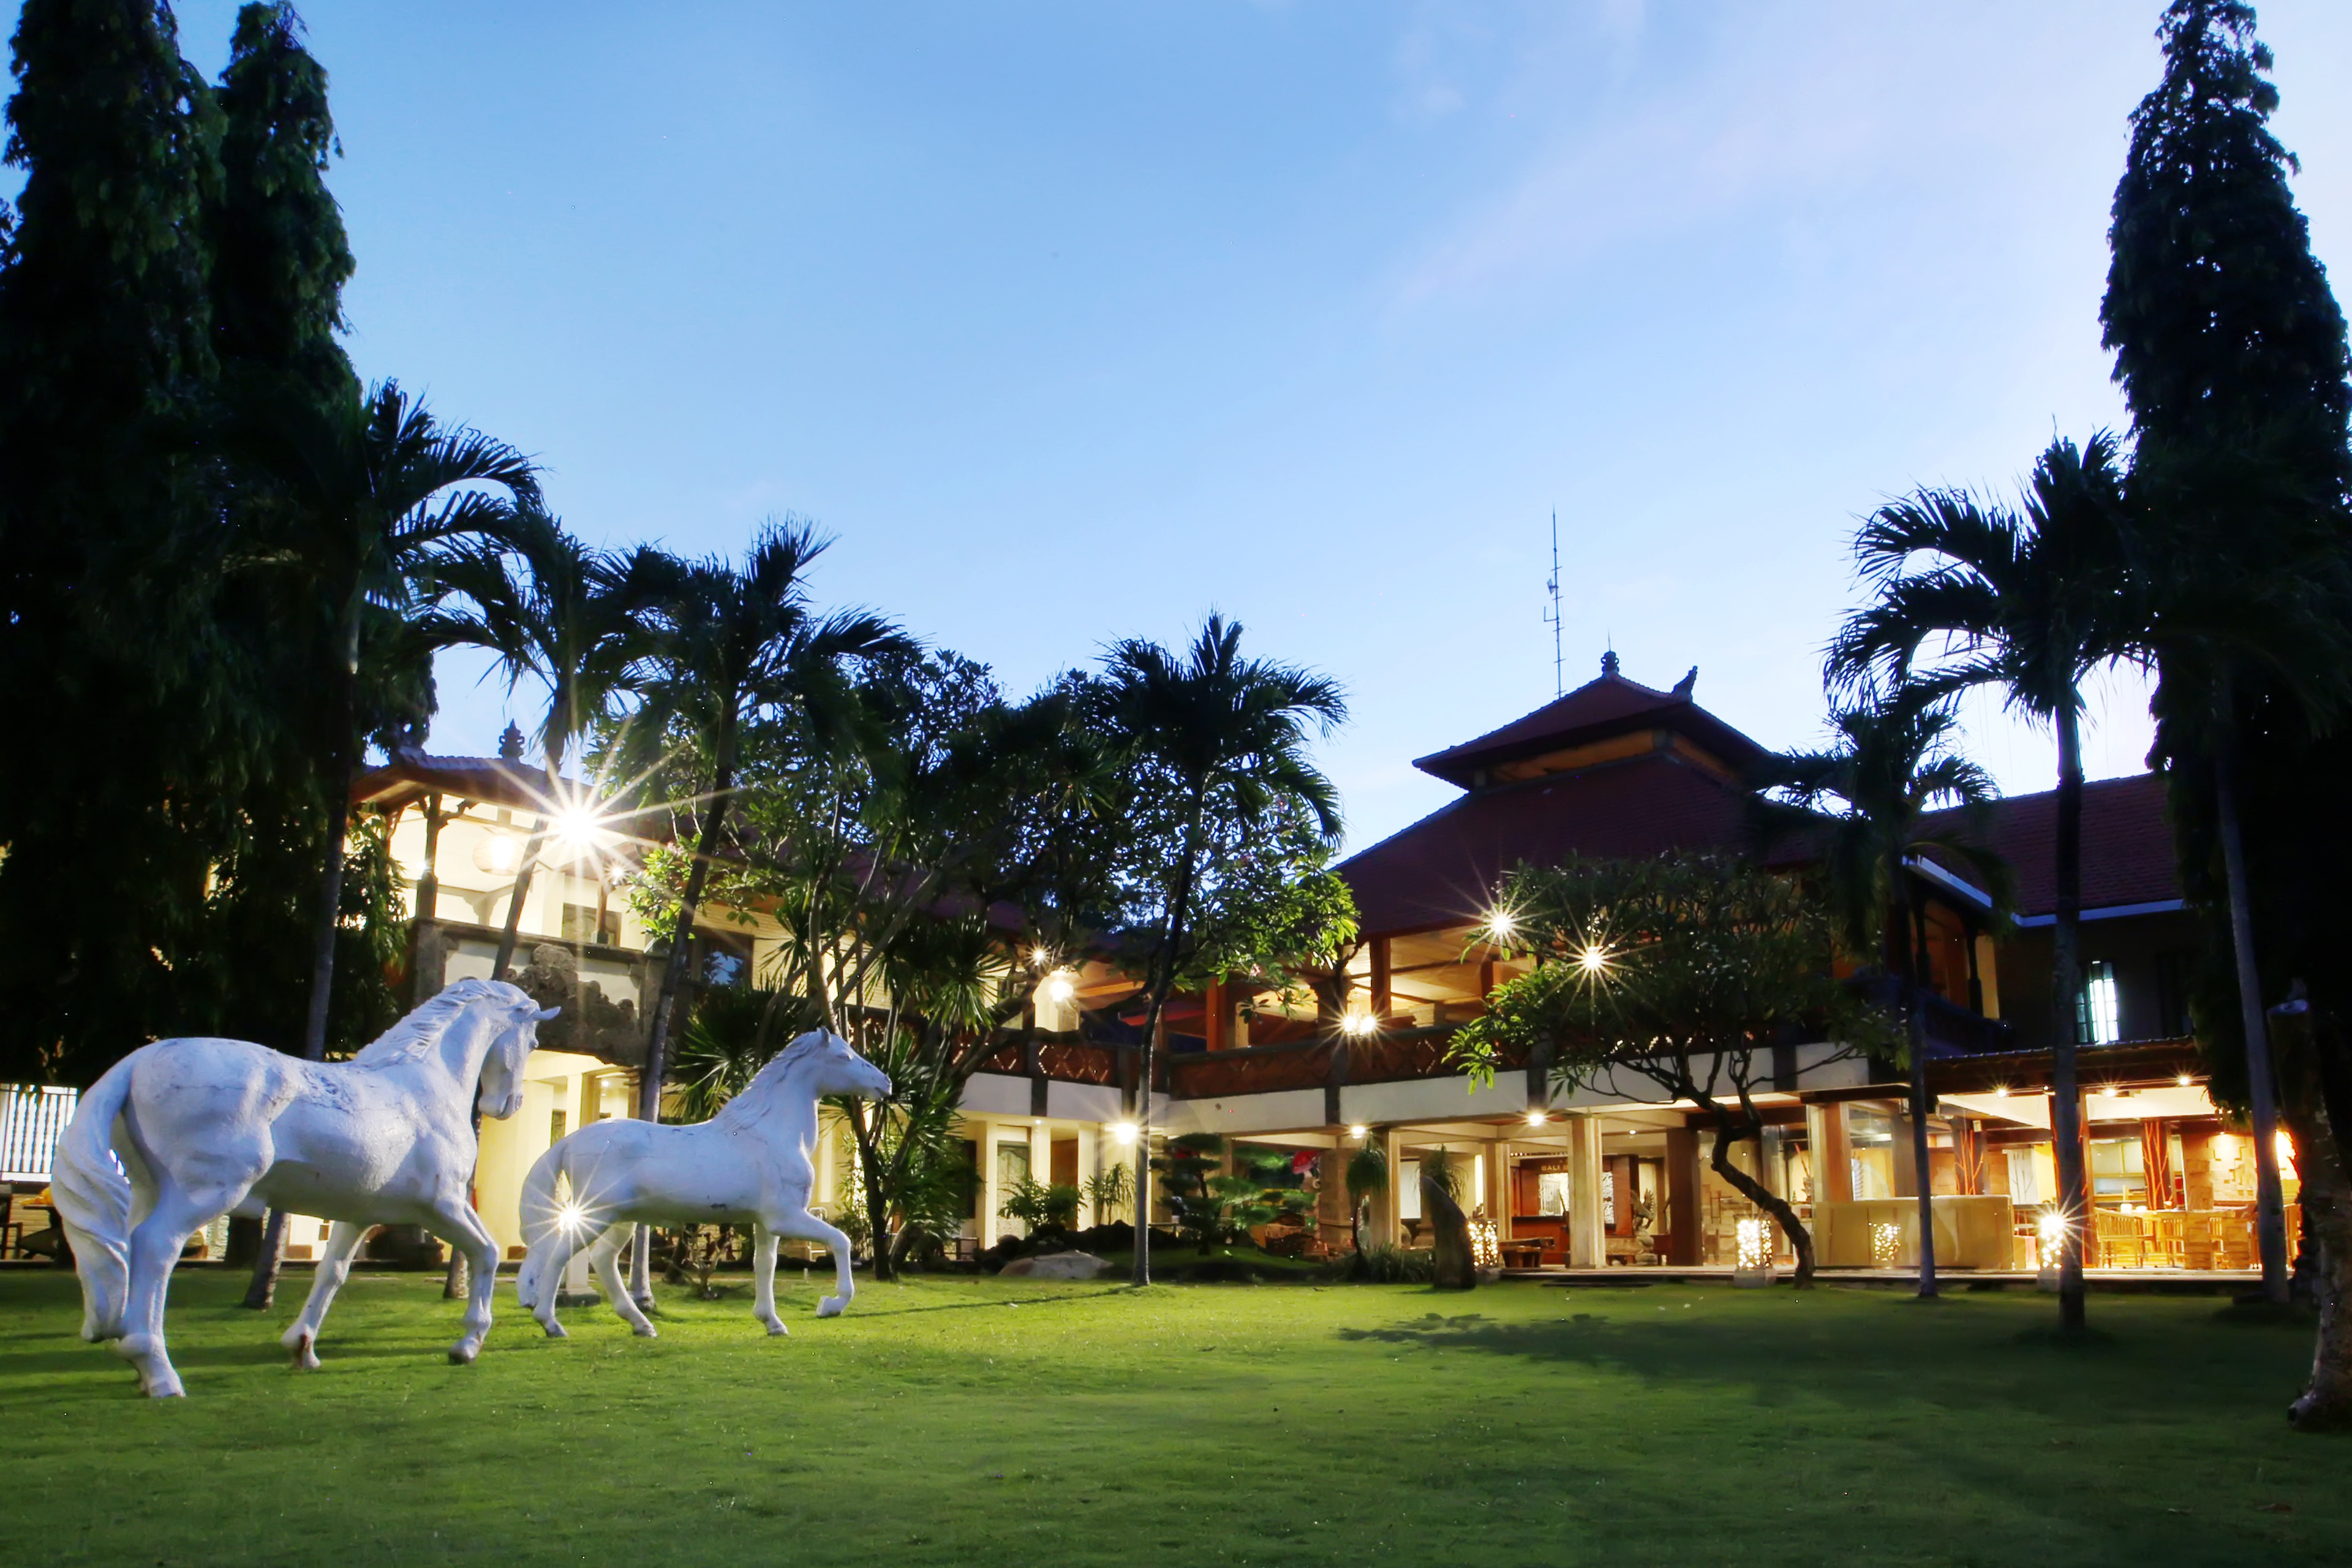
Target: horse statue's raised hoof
<point>556,1331</point>
<point>775,1327</point>
<point>830,1307</point>
<point>463,1354</point>
<point>305,1355</point>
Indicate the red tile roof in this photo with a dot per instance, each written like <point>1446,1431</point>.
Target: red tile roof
<point>1596,711</point>
<point>2127,856</point>
<point>1442,871</point>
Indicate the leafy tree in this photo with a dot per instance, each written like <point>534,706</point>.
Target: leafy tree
<point>547,606</point>
<point>1041,1206</point>
<point>1216,744</point>
<point>1189,1168</point>
<point>1682,973</point>
<point>1864,805</point>
<point>2030,601</point>
<point>2231,349</point>
<point>1108,1191</point>
<point>728,644</point>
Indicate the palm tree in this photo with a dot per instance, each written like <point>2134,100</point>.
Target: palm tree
<point>545,604</point>
<point>359,490</point>
<point>1223,735</point>
<point>727,645</point>
<point>1866,803</point>
<point>2031,601</point>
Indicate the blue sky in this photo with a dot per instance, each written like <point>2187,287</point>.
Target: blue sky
<point>1072,320</point>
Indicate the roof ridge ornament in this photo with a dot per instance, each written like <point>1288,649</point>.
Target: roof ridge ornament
<point>1609,662</point>
<point>510,744</point>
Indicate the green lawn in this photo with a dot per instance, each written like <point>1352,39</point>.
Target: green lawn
<point>976,1422</point>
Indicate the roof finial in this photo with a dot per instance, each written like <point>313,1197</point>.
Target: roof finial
<point>1688,683</point>
<point>1609,662</point>
<point>511,745</point>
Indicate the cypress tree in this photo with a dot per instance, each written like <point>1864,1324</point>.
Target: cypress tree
<point>107,670</point>
<point>2231,349</point>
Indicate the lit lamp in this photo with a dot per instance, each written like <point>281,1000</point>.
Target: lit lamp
<point>497,853</point>
<point>1486,1241</point>
<point>1122,1132</point>
<point>2050,1241</point>
<point>1756,1264</point>
<point>1885,1244</point>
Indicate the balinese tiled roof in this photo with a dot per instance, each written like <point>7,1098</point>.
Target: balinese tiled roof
<point>1596,711</point>
<point>411,775</point>
<point>2127,856</point>
<point>1443,870</point>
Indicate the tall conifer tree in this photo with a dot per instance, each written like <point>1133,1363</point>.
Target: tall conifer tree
<point>2231,349</point>
<point>105,663</point>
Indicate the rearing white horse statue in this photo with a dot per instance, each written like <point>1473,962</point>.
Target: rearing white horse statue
<point>750,1164</point>
<point>182,1131</point>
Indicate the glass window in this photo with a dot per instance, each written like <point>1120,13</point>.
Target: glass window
<point>2118,1168</point>
<point>2098,1011</point>
<point>2024,1177</point>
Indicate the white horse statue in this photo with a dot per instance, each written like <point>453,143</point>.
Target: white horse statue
<point>750,1164</point>
<point>182,1131</point>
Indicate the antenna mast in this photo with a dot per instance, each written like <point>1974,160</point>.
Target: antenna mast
<point>1559,681</point>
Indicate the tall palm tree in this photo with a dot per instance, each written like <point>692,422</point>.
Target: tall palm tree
<point>2030,601</point>
<point>728,644</point>
<point>359,490</point>
<point>1868,803</point>
<point>1225,735</point>
<point>547,606</point>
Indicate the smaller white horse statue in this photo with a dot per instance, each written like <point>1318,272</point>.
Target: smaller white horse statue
<point>750,1164</point>
<point>182,1131</point>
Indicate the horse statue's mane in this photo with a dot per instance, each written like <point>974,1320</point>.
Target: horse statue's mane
<point>755,1097</point>
<point>414,1036</point>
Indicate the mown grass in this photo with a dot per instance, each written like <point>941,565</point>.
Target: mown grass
<point>973,1421</point>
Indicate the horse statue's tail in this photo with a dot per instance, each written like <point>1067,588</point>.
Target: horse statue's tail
<point>92,1194</point>
<point>539,1223</point>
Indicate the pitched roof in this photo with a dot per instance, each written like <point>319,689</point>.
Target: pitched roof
<point>1597,710</point>
<point>411,775</point>
<point>1442,870</point>
<point>2127,855</point>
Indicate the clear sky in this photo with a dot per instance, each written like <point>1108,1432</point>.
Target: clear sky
<point>1072,320</point>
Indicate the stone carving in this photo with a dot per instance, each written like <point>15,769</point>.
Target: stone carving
<point>746,1165</point>
<point>1455,1269</point>
<point>383,1138</point>
<point>589,1023</point>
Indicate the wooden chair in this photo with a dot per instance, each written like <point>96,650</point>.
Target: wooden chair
<point>2117,1240</point>
<point>2167,1243</point>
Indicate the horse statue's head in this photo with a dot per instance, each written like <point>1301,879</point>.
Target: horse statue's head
<point>516,1038</point>
<point>838,1068</point>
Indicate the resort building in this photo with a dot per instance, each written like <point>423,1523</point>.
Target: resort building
<point>1610,1176</point>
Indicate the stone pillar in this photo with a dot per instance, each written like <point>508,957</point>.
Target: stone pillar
<point>1497,1196</point>
<point>1587,1248</point>
<point>1041,1154</point>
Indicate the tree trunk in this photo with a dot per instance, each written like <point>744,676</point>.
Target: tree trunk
<point>673,985</point>
<point>2262,1085</point>
<point>1800,1240</point>
<point>508,937</point>
<point>877,1197</point>
<point>2066,1121</point>
<point>1922,1103</point>
<point>262,1289</point>
<point>1180,908</point>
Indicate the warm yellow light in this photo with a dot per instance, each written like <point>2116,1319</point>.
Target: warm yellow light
<point>2185,1081</point>
<point>498,853</point>
<point>1755,1241</point>
<point>1593,959</point>
<point>1040,958</point>
<point>1057,987</point>
<point>1502,923</point>
<point>1360,1131</point>
<point>2000,1091</point>
<point>1359,1023</point>
<point>2052,1228</point>
<point>1536,1119</point>
<point>1123,1132</point>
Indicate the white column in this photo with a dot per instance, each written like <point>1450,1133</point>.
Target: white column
<point>1089,1147</point>
<point>1586,1246</point>
<point>1041,1154</point>
<point>989,1196</point>
<point>1388,1226</point>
